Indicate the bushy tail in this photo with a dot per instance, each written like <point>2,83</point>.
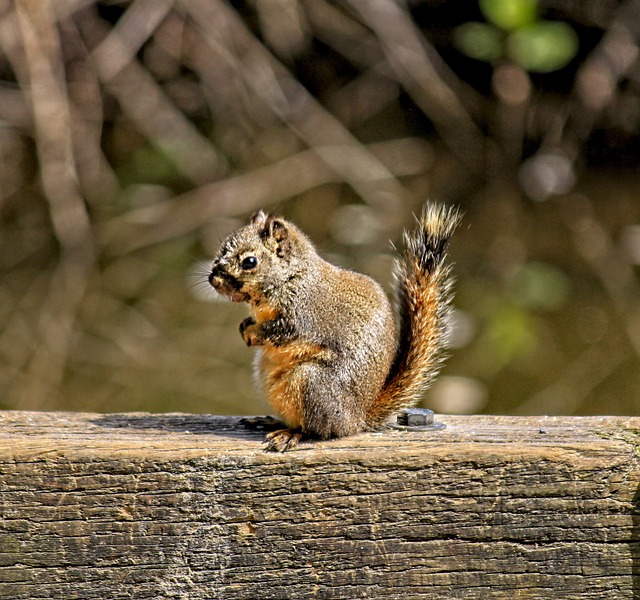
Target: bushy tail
<point>423,302</point>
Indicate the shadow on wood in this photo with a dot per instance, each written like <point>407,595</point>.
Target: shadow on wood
<point>189,506</point>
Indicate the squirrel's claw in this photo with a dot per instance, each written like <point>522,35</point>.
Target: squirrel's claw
<point>282,440</point>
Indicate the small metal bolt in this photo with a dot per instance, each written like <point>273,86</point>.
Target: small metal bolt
<point>416,419</point>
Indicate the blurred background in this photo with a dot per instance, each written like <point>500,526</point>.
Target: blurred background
<point>134,135</point>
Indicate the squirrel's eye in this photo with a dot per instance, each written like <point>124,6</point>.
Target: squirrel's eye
<point>250,262</point>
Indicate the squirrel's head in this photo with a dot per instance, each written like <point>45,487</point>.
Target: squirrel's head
<point>258,259</point>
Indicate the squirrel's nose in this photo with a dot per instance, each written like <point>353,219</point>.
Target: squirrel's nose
<point>218,275</point>
<point>215,272</point>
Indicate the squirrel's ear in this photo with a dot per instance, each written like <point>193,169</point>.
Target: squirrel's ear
<point>272,227</point>
<point>258,218</point>
<point>278,229</point>
<point>276,235</point>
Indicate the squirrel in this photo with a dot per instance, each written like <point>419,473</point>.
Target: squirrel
<point>335,359</point>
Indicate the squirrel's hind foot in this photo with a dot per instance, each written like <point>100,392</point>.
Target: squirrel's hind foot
<point>282,440</point>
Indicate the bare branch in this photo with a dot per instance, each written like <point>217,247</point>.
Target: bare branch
<point>45,80</point>
<point>149,108</point>
<point>417,66</point>
<point>262,73</point>
<point>129,34</point>
<point>247,192</point>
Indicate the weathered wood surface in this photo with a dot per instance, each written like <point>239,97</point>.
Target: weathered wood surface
<point>187,506</point>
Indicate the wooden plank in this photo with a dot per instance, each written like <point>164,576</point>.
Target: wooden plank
<point>189,506</point>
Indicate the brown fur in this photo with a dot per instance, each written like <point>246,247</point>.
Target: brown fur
<point>331,363</point>
<point>282,382</point>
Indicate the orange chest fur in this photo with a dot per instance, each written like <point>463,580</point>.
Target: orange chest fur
<point>284,380</point>
<point>263,312</point>
<point>282,371</point>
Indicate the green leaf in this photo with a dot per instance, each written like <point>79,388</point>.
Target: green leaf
<point>543,47</point>
<point>510,14</point>
<point>511,333</point>
<point>479,40</point>
<point>542,286</point>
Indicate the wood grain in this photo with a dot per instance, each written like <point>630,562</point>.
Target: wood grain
<point>189,506</point>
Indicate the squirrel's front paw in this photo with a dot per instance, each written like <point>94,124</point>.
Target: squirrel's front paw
<point>250,332</point>
<point>282,440</point>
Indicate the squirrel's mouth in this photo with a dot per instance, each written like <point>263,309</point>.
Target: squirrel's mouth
<point>238,297</point>
<point>231,294</point>
<point>230,288</point>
